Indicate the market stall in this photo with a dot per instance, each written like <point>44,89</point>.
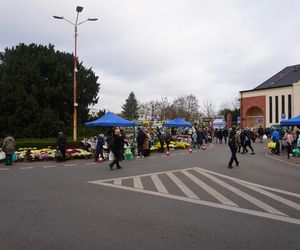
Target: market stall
<point>295,121</point>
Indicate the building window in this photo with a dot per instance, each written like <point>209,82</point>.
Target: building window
<point>270,109</point>
<point>289,106</point>
<point>276,109</point>
<point>282,104</point>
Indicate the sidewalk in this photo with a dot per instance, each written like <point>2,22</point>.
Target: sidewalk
<point>295,161</point>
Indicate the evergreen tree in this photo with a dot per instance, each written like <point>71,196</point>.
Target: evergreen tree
<point>36,91</point>
<point>130,108</point>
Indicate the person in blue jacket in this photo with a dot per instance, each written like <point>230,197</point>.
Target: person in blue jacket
<point>275,138</point>
<point>99,147</point>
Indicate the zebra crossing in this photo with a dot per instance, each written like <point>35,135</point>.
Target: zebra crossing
<point>204,187</point>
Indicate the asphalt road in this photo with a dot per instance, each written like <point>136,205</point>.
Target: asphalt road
<point>181,201</point>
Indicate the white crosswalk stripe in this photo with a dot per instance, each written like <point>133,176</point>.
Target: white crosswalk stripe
<point>184,179</point>
<point>188,192</point>
<point>210,190</point>
<point>242,194</point>
<point>158,184</point>
<point>138,183</point>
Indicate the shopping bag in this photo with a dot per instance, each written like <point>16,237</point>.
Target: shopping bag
<point>111,156</point>
<point>271,145</point>
<point>128,154</point>
<point>14,157</point>
<point>2,156</point>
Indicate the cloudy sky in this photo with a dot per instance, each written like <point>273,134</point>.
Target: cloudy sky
<point>156,48</point>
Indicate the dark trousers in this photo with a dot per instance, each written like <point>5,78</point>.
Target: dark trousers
<point>8,159</point>
<point>168,146</point>
<point>140,148</point>
<point>289,150</point>
<point>62,150</point>
<point>247,144</point>
<point>277,149</point>
<point>161,146</point>
<point>99,152</point>
<point>233,156</point>
<point>117,155</point>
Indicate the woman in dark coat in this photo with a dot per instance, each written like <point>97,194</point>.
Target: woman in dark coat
<point>116,144</point>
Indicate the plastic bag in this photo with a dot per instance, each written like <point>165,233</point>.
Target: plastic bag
<point>2,155</point>
<point>111,156</point>
<point>271,145</point>
<point>128,154</point>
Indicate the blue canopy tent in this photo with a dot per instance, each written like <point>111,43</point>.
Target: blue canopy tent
<point>295,121</point>
<point>178,122</point>
<point>110,119</point>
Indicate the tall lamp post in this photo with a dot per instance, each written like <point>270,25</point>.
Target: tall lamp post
<point>78,10</point>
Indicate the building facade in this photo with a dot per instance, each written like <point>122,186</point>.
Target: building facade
<point>276,99</point>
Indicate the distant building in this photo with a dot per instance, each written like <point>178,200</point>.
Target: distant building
<point>275,99</point>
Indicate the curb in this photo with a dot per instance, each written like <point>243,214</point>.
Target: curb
<point>286,162</point>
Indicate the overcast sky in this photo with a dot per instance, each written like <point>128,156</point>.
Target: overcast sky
<point>156,48</point>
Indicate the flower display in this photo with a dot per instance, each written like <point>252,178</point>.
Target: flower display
<point>47,154</point>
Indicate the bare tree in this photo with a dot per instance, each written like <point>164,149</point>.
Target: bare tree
<point>187,106</point>
<point>208,108</point>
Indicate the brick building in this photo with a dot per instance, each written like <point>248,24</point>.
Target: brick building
<point>275,99</point>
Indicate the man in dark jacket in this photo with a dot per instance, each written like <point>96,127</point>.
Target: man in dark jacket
<point>233,145</point>
<point>62,145</point>
<point>117,141</point>
<point>141,136</point>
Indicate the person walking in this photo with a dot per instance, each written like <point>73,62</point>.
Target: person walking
<point>141,136</point>
<point>233,144</point>
<point>168,140</point>
<point>99,147</point>
<point>275,138</point>
<point>289,140</point>
<point>238,139</point>
<point>62,145</point>
<point>8,147</point>
<point>161,141</point>
<point>116,147</point>
<point>260,133</point>
<point>220,135</point>
<point>225,134</point>
<point>247,142</point>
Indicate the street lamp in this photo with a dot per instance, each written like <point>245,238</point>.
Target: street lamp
<point>78,10</point>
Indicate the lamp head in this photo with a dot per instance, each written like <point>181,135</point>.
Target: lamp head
<point>58,17</point>
<point>79,8</point>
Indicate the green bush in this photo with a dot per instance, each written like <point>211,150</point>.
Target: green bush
<point>44,143</point>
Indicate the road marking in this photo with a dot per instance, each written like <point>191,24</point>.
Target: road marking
<point>242,194</point>
<point>210,190</point>
<point>189,193</point>
<point>69,165</point>
<point>4,169</point>
<point>26,167</point>
<point>206,203</point>
<point>118,182</point>
<point>271,213</point>
<point>49,166</point>
<point>250,183</point>
<point>91,163</point>
<point>158,184</point>
<point>274,196</point>
<point>137,183</point>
